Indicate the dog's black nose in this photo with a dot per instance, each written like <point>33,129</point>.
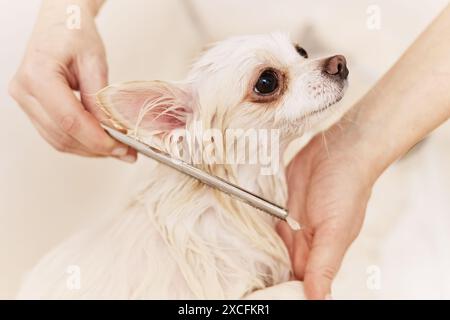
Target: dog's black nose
<point>336,66</point>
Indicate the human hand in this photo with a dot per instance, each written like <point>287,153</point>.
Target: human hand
<point>57,61</point>
<point>328,193</point>
<point>330,182</point>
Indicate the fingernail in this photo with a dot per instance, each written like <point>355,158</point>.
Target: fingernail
<point>329,297</point>
<point>120,151</point>
<point>128,158</point>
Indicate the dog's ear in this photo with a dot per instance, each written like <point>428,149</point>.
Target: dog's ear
<point>147,106</point>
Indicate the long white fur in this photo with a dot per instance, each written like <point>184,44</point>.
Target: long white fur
<point>178,238</point>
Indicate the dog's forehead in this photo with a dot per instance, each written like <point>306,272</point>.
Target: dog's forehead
<point>276,44</point>
<point>245,52</point>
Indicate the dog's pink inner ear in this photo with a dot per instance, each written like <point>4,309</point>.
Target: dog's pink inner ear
<point>147,105</point>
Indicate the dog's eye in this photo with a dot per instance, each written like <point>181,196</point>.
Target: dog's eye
<point>267,83</point>
<point>301,51</point>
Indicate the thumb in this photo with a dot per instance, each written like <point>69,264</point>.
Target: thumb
<point>93,76</point>
<point>327,251</point>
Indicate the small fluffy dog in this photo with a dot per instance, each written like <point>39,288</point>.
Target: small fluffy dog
<point>179,238</point>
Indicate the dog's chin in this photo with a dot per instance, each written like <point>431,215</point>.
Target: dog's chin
<point>316,116</point>
<point>323,109</point>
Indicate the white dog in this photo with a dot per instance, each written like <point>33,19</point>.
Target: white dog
<point>179,238</point>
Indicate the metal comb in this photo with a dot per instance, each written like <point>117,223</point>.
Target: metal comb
<point>208,179</point>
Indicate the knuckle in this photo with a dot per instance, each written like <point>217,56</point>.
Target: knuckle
<point>60,146</point>
<point>32,72</point>
<point>27,73</point>
<point>14,88</point>
<point>326,272</point>
<point>69,124</point>
<point>63,144</point>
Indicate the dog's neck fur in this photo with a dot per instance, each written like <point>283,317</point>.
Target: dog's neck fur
<point>223,247</point>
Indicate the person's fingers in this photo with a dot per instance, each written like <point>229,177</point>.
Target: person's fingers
<point>44,125</point>
<point>71,118</point>
<point>286,234</point>
<point>300,254</point>
<point>62,143</point>
<point>77,148</point>
<point>92,77</point>
<point>298,248</point>
<point>298,176</point>
<point>130,157</point>
<point>327,251</point>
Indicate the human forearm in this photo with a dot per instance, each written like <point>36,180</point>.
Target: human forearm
<point>411,100</point>
<point>330,180</point>
<point>92,6</point>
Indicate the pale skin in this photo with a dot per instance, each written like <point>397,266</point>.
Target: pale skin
<point>57,60</point>
<point>329,183</point>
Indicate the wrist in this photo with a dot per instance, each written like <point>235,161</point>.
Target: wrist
<point>369,141</point>
<point>91,7</point>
